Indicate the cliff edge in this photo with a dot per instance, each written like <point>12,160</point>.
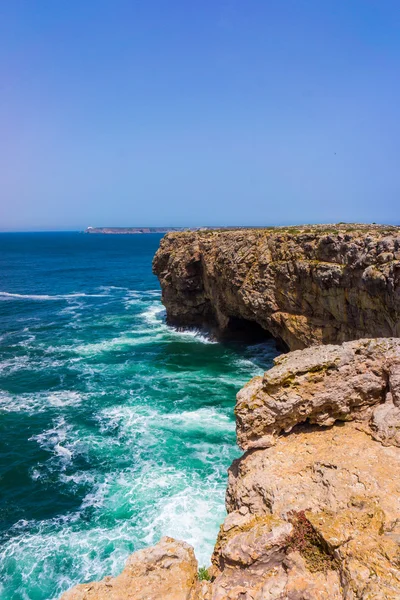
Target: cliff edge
<point>307,285</point>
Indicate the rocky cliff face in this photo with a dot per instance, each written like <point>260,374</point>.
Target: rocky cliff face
<point>314,503</point>
<point>306,286</point>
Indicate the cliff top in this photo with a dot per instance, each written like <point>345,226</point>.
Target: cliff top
<point>324,229</point>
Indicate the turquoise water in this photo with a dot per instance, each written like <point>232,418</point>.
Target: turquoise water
<point>115,429</point>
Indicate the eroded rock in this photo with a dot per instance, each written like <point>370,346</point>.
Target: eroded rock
<point>316,469</point>
<point>167,571</point>
<point>305,285</point>
<point>254,559</point>
<point>321,385</point>
<point>347,486</point>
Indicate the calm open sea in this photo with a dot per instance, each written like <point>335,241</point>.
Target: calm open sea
<point>115,429</point>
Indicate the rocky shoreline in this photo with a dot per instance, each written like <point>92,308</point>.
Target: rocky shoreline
<point>314,502</point>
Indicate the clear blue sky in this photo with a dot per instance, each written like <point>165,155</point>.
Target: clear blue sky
<point>181,112</point>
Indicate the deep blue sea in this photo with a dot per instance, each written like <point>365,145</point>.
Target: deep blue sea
<point>115,429</point>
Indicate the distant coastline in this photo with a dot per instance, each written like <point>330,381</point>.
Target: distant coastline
<point>292,229</point>
<point>132,230</point>
<point>136,230</point>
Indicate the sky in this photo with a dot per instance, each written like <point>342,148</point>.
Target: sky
<point>189,113</point>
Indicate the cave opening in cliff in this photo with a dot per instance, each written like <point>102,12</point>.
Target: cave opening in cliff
<point>250,332</point>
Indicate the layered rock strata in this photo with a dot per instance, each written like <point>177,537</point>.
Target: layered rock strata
<point>305,285</point>
<point>313,504</point>
<point>355,381</point>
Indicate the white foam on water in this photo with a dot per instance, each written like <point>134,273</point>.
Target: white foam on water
<point>197,334</point>
<point>79,478</point>
<point>133,425</point>
<point>136,490</point>
<point>10,296</point>
<point>116,344</point>
<point>154,315</point>
<point>164,500</point>
<point>55,440</point>
<point>208,420</point>
<point>39,401</point>
<point>40,547</point>
<point>65,398</point>
<point>145,422</point>
<point>12,365</point>
<point>111,288</point>
<point>151,315</point>
<point>136,297</point>
<point>191,513</point>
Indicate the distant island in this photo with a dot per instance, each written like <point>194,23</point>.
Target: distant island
<point>135,230</point>
<point>131,230</point>
<point>342,227</point>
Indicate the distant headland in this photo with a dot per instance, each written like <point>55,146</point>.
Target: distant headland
<point>135,230</point>
<point>130,230</point>
<point>291,229</point>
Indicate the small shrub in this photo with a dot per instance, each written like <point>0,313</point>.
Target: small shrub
<point>203,574</point>
<point>306,540</point>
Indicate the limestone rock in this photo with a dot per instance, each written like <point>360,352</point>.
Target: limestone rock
<point>167,571</point>
<point>348,486</point>
<point>253,560</point>
<point>305,285</point>
<point>316,469</point>
<point>355,381</point>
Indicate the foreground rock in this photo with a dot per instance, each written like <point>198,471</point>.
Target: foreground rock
<point>313,505</point>
<point>305,285</point>
<point>355,381</point>
<point>344,488</point>
<point>167,571</point>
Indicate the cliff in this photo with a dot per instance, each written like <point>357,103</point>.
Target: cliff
<point>304,285</point>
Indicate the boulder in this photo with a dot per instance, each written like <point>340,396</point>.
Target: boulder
<point>167,571</point>
<point>321,385</point>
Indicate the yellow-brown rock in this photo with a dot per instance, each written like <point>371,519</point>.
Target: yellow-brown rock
<point>347,487</point>
<point>167,571</point>
<point>357,380</point>
<point>316,469</point>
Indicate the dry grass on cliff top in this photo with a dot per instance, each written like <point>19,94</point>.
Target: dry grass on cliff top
<point>323,229</point>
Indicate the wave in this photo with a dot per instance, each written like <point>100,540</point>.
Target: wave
<point>145,426</point>
<point>151,315</point>
<point>11,296</point>
<point>40,401</point>
<point>54,440</point>
<point>154,315</point>
<point>195,334</point>
<point>172,503</point>
<point>208,420</point>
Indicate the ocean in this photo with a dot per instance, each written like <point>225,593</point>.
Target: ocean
<point>115,429</point>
